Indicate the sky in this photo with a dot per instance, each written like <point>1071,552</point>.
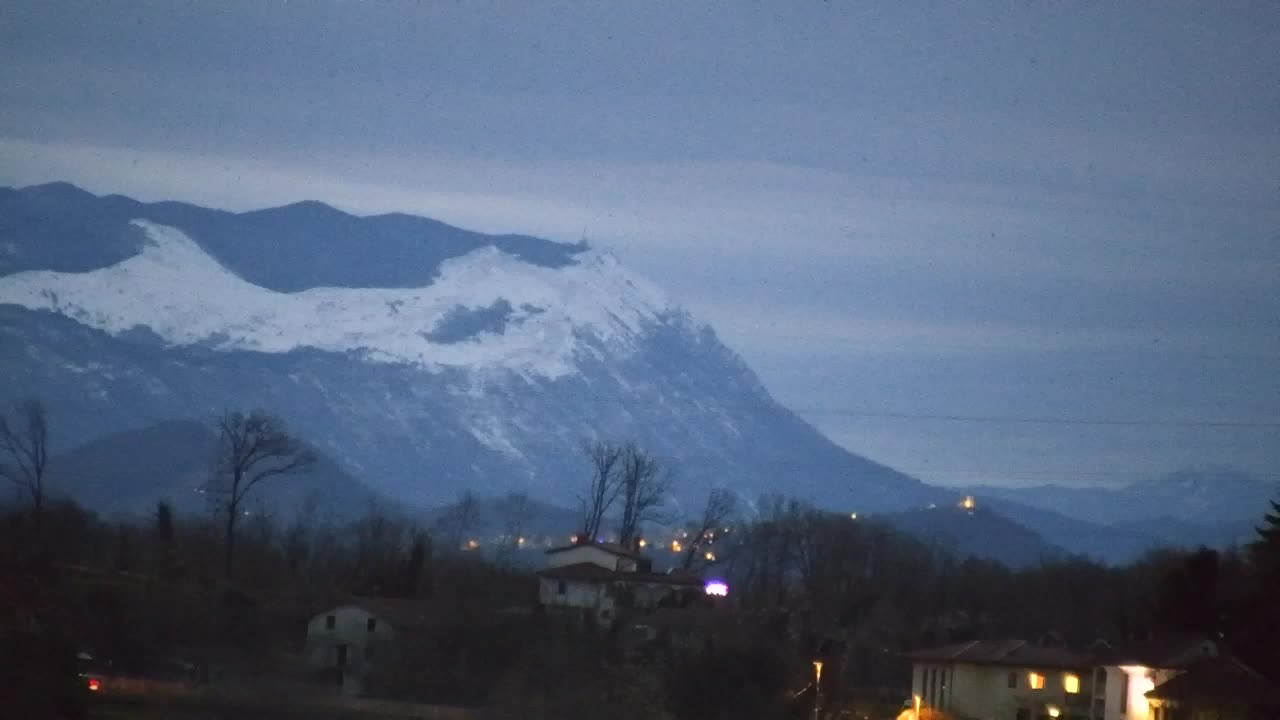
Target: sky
<point>1011,243</point>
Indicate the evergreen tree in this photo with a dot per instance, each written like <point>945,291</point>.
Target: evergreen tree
<point>1264,553</point>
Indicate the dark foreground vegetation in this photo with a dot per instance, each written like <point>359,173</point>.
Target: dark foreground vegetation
<point>158,599</point>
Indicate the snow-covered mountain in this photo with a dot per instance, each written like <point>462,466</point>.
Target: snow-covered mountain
<point>423,358</point>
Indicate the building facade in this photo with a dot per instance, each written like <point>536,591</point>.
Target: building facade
<point>1017,680</point>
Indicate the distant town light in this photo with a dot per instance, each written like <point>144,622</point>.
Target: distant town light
<point>710,556</point>
<point>676,546</point>
<point>717,588</point>
<point>94,685</point>
<point>968,503</point>
<point>853,516</point>
<point>643,542</point>
<point>519,541</point>
<point>573,539</point>
<point>473,544</point>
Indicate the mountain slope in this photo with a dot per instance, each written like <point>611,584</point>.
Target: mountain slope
<point>979,533</point>
<point>424,359</point>
<point>129,472</point>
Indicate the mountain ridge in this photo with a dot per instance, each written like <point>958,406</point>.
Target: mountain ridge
<point>421,433</point>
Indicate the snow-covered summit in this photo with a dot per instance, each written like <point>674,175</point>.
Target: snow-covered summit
<point>486,309</point>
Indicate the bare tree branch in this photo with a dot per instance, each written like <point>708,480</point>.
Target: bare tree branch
<point>603,489</point>
<point>26,441</point>
<point>720,506</point>
<point>645,486</point>
<point>252,448</point>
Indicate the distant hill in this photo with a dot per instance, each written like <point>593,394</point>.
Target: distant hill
<point>127,473</point>
<point>979,532</point>
<point>1205,496</point>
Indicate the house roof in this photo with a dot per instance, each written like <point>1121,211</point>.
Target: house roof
<point>1217,679</point>
<point>611,548</point>
<point>579,571</point>
<point>1166,651</point>
<point>402,613</point>
<point>590,572</point>
<point>1010,653</point>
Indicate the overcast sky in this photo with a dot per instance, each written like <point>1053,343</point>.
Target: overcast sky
<point>898,213</point>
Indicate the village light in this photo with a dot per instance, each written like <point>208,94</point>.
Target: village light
<point>643,542</point>
<point>853,516</point>
<point>716,588</point>
<point>1053,711</point>
<point>472,544</point>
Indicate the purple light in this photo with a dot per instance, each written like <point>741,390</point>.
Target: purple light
<point>717,588</point>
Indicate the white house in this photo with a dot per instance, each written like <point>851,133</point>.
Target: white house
<point>344,643</point>
<point>598,580</point>
<point>1017,680</point>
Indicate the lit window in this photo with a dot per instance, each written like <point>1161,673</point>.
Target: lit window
<point>1035,681</point>
<point>1071,683</point>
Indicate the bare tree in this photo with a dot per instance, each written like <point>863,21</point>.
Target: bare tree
<point>645,486</point>
<point>252,448</point>
<point>719,508</point>
<point>459,520</point>
<point>26,441</point>
<point>603,490</point>
<point>515,512</point>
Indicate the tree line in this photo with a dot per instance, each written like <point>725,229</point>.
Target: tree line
<point>232,589</point>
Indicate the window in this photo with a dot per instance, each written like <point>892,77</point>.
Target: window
<point>1071,683</point>
<point>561,587</point>
<point>1035,681</point>
<point>1013,680</point>
<point>330,622</point>
<point>371,624</point>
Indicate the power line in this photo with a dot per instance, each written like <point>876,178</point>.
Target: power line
<point>1012,419</point>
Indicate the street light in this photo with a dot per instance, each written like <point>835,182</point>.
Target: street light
<point>817,686</point>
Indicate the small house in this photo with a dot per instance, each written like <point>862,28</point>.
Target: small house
<point>345,642</point>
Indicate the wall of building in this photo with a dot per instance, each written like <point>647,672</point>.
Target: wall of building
<point>594,596</point>
<point>588,554</point>
<point>351,628</point>
<point>982,691</point>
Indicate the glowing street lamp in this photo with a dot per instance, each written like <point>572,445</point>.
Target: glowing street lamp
<point>817,687</point>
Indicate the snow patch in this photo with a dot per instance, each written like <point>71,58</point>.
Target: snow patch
<point>175,289</point>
